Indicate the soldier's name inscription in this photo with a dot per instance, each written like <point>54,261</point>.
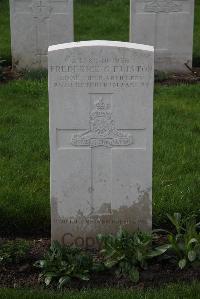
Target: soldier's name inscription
<point>101,72</point>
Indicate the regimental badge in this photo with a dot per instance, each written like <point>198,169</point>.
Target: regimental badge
<point>102,130</point>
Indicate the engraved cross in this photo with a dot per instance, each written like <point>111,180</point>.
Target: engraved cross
<point>162,9</point>
<point>103,139</point>
<point>40,6</point>
<point>41,9</point>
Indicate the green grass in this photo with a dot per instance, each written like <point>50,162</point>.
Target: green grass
<point>176,178</point>
<point>24,163</point>
<point>95,19</point>
<point>196,46</point>
<point>5,47</point>
<point>24,155</point>
<point>102,19</point>
<point>178,291</point>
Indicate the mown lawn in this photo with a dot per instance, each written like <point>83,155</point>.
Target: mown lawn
<point>95,19</point>
<point>196,46</point>
<point>178,291</point>
<point>5,47</point>
<point>24,157</point>
<point>24,154</point>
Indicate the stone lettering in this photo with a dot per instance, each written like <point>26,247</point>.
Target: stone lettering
<point>168,26</point>
<point>101,128</point>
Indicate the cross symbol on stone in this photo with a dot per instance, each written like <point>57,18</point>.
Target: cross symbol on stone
<point>40,56</point>
<point>160,7</point>
<point>104,141</point>
<point>41,12</point>
<point>40,6</point>
<point>41,9</point>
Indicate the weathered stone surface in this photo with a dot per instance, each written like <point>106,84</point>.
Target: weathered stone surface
<point>101,120</point>
<point>35,25</point>
<point>168,26</point>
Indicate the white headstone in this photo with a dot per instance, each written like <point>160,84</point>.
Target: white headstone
<point>35,25</point>
<point>168,26</point>
<point>101,123</point>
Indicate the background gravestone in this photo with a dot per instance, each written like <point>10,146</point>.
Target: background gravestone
<point>168,26</point>
<point>35,25</point>
<point>101,120</point>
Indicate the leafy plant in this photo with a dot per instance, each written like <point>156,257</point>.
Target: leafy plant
<point>185,243</point>
<point>129,252</point>
<point>63,263</point>
<point>13,251</point>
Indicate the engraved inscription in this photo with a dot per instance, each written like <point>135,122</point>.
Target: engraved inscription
<point>101,72</point>
<point>165,6</point>
<point>102,130</point>
<point>41,9</point>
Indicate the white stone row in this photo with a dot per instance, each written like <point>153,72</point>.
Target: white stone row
<point>165,24</point>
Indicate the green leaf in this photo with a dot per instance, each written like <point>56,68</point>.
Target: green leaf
<point>83,277</point>
<point>48,280</point>
<point>64,280</point>
<point>192,241</point>
<point>134,275</point>
<point>98,267</point>
<point>111,253</point>
<point>163,248</point>
<point>56,246</point>
<point>197,224</point>
<point>171,238</point>
<point>103,251</point>
<point>110,263</point>
<point>120,233</point>
<point>159,230</point>
<point>175,220</point>
<point>40,264</point>
<point>182,263</point>
<point>100,237</point>
<point>192,255</point>
<point>139,256</point>
<point>159,250</point>
<point>181,245</point>
<point>51,274</point>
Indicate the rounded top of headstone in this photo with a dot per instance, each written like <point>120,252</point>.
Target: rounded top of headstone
<point>101,43</point>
